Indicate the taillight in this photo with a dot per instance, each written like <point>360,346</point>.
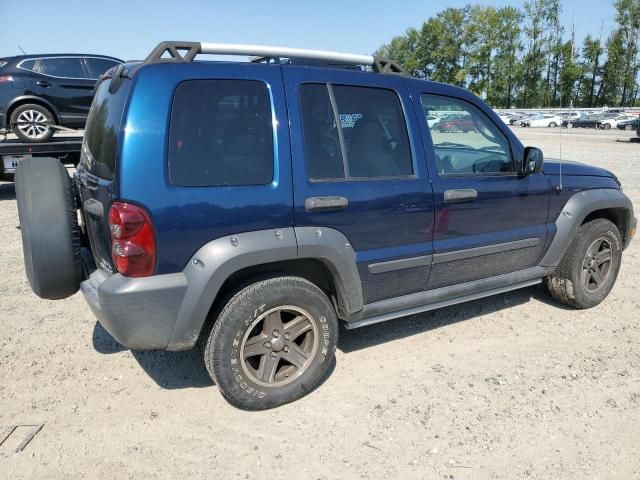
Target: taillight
<point>6,78</point>
<point>133,245</point>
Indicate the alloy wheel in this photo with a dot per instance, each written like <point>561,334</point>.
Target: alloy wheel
<point>279,346</point>
<point>33,124</point>
<point>596,266</point>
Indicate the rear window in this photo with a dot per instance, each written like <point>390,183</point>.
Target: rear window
<point>103,127</point>
<point>97,66</point>
<point>221,133</point>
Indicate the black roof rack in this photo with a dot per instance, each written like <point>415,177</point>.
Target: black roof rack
<point>173,51</point>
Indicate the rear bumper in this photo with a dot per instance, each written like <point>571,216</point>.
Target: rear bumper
<point>140,313</point>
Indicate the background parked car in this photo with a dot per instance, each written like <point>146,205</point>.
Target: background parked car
<point>609,123</point>
<point>456,124</point>
<point>542,120</point>
<point>516,119</point>
<point>629,124</point>
<point>591,121</point>
<point>37,91</point>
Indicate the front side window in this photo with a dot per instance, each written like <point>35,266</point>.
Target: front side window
<point>465,140</point>
<point>354,132</point>
<point>63,67</point>
<point>221,134</point>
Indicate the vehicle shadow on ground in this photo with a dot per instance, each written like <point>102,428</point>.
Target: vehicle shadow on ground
<point>378,334</point>
<point>7,191</point>
<point>177,370</point>
<point>170,370</point>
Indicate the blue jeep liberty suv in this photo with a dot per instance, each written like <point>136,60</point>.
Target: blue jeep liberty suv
<point>247,207</point>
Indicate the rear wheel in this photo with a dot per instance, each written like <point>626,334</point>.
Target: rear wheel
<point>32,123</point>
<point>606,126</point>
<point>628,127</point>
<point>553,125</point>
<point>273,343</point>
<point>587,272</point>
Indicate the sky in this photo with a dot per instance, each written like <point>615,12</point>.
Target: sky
<point>130,29</point>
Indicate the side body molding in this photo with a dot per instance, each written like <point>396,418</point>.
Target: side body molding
<point>576,210</point>
<point>217,260</point>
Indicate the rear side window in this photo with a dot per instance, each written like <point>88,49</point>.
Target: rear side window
<point>97,66</point>
<point>103,128</point>
<point>64,67</point>
<point>369,140</point>
<point>221,134</point>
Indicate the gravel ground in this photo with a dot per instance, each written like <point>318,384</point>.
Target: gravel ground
<point>510,387</point>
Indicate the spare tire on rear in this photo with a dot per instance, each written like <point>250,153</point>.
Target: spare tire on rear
<point>49,226</point>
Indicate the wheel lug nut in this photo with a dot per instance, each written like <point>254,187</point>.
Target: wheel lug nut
<point>267,345</point>
<point>274,354</point>
<point>276,334</point>
<point>286,336</point>
<point>286,349</point>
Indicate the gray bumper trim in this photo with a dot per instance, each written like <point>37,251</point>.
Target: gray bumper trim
<point>140,313</point>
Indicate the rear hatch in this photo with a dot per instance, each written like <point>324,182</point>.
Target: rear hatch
<point>96,176</point>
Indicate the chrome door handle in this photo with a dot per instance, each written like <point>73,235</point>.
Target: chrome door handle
<point>43,83</point>
<point>460,195</point>
<point>325,204</point>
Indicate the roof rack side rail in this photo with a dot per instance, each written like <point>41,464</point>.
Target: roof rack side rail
<point>187,51</point>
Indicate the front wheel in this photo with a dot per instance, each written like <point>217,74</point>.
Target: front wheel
<point>587,272</point>
<point>273,343</point>
<point>606,126</point>
<point>32,123</point>
<point>553,125</point>
<point>628,128</point>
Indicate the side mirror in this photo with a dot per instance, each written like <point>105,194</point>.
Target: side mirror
<point>533,160</point>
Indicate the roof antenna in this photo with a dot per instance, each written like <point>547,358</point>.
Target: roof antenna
<point>573,51</point>
<point>20,48</point>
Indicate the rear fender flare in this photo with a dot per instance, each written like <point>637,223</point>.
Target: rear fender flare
<point>217,260</point>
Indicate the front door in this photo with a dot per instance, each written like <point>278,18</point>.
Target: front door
<point>490,220</point>
<point>358,169</point>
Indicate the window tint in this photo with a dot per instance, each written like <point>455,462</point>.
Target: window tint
<point>221,134</point>
<point>465,140</point>
<point>103,127</point>
<point>321,139</point>
<point>97,66</point>
<point>56,67</point>
<point>371,132</point>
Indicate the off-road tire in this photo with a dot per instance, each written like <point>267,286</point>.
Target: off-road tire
<point>566,284</point>
<point>36,112</point>
<point>235,327</point>
<point>49,226</point>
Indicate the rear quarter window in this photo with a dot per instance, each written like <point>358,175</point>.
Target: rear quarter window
<point>221,134</point>
<point>102,130</point>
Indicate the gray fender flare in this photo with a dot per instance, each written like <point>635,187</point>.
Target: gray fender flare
<point>575,211</point>
<point>217,260</point>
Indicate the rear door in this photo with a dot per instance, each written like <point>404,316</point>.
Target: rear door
<point>64,83</point>
<point>353,144</point>
<point>489,219</point>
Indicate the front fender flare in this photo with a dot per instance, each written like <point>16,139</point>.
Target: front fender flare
<point>575,211</point>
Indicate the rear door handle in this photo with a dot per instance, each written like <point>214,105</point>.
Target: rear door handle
<point>460,195</point>
<point>43,83</point>
<point>325,204</point>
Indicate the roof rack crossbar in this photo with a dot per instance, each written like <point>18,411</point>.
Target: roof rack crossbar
<point>191,49</point>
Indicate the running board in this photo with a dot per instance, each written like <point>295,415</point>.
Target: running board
<point>434,305</point>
